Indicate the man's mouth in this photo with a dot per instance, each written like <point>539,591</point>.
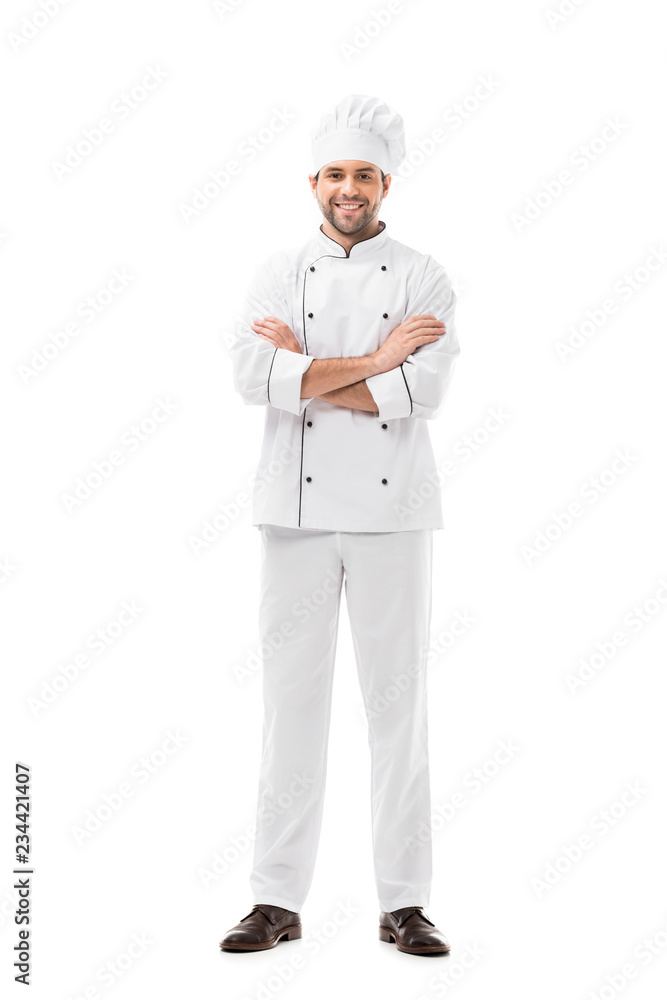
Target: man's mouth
<point>348,206</point>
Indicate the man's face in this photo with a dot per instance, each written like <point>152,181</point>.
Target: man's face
<point>346,183</point>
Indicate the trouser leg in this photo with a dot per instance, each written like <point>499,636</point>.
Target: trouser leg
<point>388,591</point>
<point>301,580</point>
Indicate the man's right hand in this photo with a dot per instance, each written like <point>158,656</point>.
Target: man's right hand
<point>401,342</point>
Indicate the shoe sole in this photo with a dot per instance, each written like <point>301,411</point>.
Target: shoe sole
<point>286,934</point>
<point>430,949</point>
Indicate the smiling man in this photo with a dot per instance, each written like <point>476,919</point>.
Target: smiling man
<point>349,343</point>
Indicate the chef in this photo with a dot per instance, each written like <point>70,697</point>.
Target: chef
<point>349,343</point>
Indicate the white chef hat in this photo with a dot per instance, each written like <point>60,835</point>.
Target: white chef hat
<point>360,128</point>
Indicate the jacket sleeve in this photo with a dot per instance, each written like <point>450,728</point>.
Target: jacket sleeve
<point>264,374</point>
<point>417,388</point>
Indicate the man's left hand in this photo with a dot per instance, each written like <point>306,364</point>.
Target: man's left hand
<point>277,333</point>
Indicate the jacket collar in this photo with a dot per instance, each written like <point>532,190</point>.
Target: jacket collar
<point>360,249</point>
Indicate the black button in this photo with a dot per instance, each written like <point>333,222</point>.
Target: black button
<point>308,479</point>
<point>384,481</point>
<point>310,315</point>
<point>385,315</point>
<point>384,427</point>
<point>383,268</point>
<point>312,269</point>
<point>310,423</point>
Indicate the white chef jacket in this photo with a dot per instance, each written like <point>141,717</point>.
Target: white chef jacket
<point>333,467</point>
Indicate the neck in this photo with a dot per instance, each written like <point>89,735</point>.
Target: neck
<point>347,240</point>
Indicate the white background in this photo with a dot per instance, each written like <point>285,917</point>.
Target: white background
<point>522,288</point>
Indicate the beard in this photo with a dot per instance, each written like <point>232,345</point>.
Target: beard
<point>348,223</point>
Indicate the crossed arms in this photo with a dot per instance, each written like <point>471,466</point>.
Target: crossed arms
<point>407,376</point>
<point>343,380</point>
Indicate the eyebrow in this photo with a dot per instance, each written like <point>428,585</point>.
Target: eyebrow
<point>360,170</point>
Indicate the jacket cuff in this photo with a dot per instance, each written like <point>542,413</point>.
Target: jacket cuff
<point>390,392</point>
<point>284,382</point>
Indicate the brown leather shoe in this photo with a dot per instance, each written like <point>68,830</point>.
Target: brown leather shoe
<point>263,927</point>
<point>412,931</point>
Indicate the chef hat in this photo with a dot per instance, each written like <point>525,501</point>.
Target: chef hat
<point>360,128</point>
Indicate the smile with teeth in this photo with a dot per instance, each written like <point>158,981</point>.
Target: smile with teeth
<point>348,206</point>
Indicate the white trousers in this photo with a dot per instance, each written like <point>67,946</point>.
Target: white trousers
<point>388,591</point>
